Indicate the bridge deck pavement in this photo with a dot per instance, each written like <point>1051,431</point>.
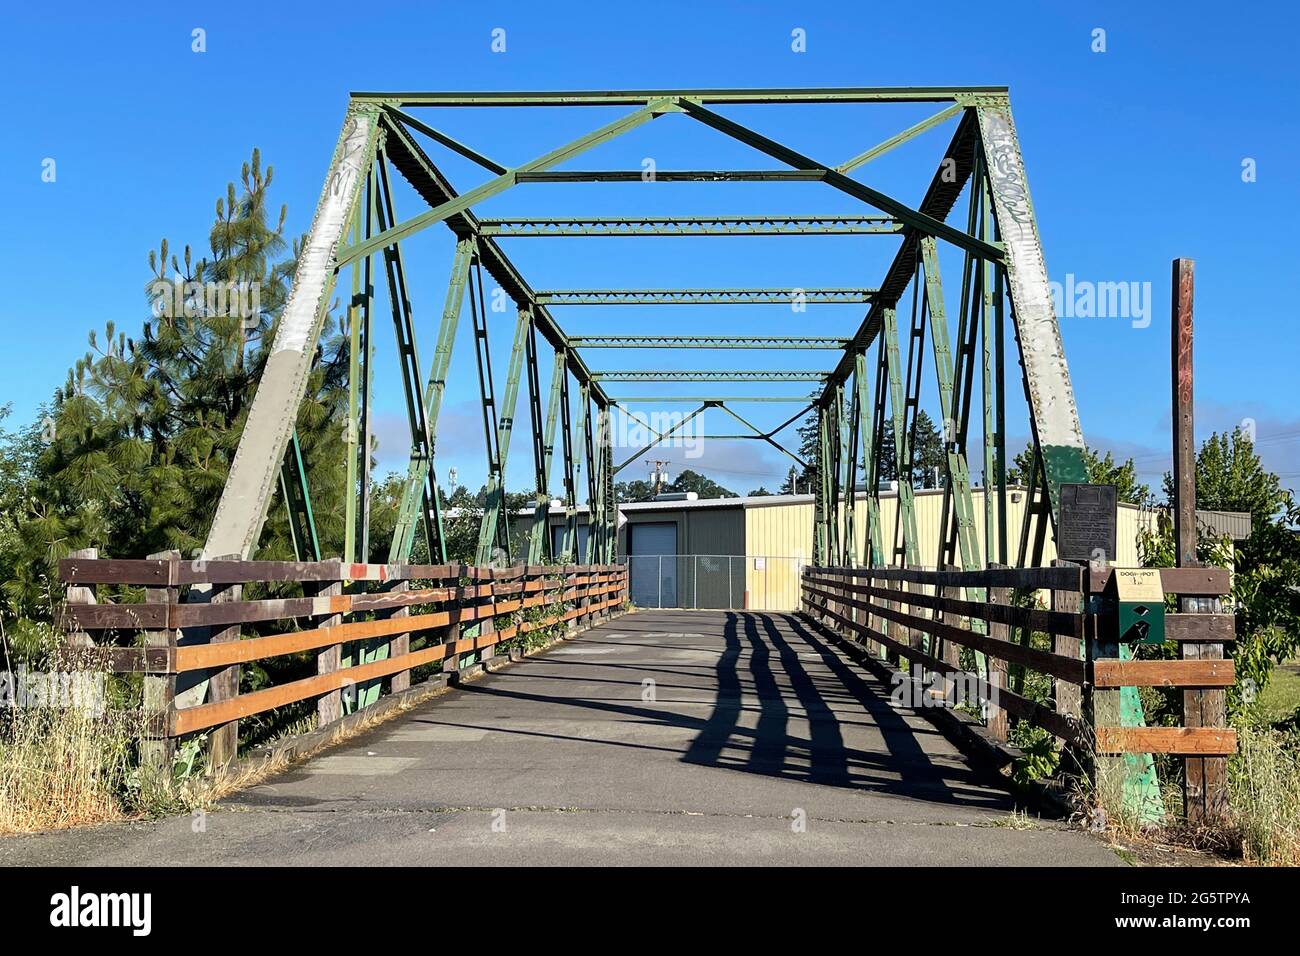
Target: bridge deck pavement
<point>663,737</point>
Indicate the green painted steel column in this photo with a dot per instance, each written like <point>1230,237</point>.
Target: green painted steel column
<point>495,526</point>
<point>819,493</point>
<point>902,458</point>
<point>539,540</point>
<point>867,415</point>
<point>955,456</point>
<point>412,491</point>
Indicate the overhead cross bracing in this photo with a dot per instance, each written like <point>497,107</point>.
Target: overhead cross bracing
<point>867,402</point>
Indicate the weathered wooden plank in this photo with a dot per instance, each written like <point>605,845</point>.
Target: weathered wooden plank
<point>1190,741</point>
<point>204,656</point>
<point>1163,673</point>
<point>113,571</point>
<point>1191,582</point>
<point>1045,661</point>
<point>191,719</point>
<point>1033,579</point>
<point>1191,627</point>
<point>1050,622</point>
<point>1067,728</point>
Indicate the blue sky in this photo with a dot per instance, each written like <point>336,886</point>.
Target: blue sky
<point>1134,157</point>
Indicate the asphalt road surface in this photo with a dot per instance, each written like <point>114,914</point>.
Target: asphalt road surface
<point>663,737</point>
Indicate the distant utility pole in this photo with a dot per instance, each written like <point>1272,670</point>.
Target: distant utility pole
<point>658,477</point>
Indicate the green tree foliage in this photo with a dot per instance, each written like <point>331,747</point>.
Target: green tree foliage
<point>1266,583</point>
<point>702,485</point>
<point>141,435</point>
<point>1231,477</point>
<point>1102,470</point>
<point>632,491</point>
<point>927,455</point>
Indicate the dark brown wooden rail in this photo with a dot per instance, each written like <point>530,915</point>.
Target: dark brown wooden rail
<point>927,617</point>
<point>188,618</point>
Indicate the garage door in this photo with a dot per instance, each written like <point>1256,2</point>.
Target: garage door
<point>652,564</point>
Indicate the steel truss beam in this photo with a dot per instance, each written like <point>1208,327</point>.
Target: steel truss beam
<point>713,376</point>
<point>692,226</point>
<point>501,183</point>
<point>776,95</point>
<point>912,217</point>
<point>409,159</point>
<point>672,176</point>
<point>696,399</point>
<point>702,296</point>
<point>703,342</point>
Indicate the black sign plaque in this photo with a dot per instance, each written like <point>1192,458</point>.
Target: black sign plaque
<point>1087,526</point>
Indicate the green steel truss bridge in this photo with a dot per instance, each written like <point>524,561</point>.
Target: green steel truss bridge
<point>913,322</point>
<point>913,325</point>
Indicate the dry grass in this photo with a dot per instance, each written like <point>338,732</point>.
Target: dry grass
<point>61,767</point>
<point>1264,794</point>
<point>1262,827</point>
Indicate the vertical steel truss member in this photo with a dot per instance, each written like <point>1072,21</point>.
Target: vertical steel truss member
<point>852,430</point>
<point>606,506</point>
<point>409,358</point>
<point>905,520</point>
<point>421,486</point>
<point>297,501</point>
<point>821,539</point>
<point>879,557</point>
<point>569,438</point>
<point>957,473</point>
<point>866,413</point>
<point>356,534</point>
<point>494,532</point>
<point>1047,377</point>
<point>589,456</point>
<point>539,541</point>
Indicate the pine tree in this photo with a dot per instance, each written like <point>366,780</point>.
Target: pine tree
<point>142,432</point>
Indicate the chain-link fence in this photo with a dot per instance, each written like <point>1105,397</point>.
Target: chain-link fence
<point>714,581</point>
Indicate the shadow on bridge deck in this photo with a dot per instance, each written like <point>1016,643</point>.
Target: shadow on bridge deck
<point>660,737</point>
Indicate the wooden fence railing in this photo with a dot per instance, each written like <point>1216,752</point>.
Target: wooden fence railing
<point>367,624</point>
<point>927,617</point>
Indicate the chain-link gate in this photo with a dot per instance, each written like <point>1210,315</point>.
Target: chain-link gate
<point>714,581</point>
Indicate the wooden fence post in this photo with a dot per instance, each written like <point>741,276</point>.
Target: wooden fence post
<point>157,746</point>
<point>995,714</point>
<point>82,594</point>
<point>329,707</point>
<point>951,651</point>
<point>401,643</point>
<point>1068,696</point>
<point>224,683</point>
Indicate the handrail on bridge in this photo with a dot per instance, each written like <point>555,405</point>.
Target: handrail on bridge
<point>367,624</point>
<point>995,620</point>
